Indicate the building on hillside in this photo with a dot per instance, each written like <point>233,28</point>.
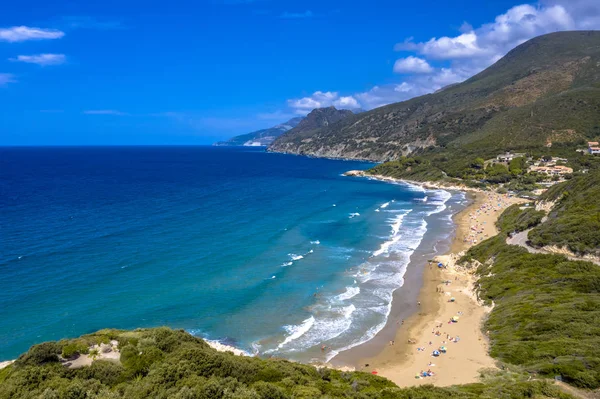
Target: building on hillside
<point>593,147</point>
<point>556,170</point>
<point>508,156</point>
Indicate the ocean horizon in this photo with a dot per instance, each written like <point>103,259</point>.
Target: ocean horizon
<point>270,253</point>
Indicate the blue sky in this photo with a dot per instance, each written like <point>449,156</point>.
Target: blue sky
<point>133,72</point>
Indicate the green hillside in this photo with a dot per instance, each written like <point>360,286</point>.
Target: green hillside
<point>546,90</point>
<point>574,222</point>
<point>163,363</point>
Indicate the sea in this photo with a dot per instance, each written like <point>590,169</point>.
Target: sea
<point>277,255</point>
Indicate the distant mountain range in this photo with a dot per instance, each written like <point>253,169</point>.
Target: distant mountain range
<point>262,137</point>
<point>545,91</point>
<point>317,118</point>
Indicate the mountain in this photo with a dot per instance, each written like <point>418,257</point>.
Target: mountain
<point>317,119</point>
<point>545,91</point>
<point>262,137</point>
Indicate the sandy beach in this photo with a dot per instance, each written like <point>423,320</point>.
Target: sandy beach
<point>446,293</point>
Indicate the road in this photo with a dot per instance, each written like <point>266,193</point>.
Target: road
<point>520,239</point>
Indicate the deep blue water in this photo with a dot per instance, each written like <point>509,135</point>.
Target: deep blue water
<point>268,252</point>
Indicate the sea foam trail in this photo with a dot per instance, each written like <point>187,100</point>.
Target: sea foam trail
<point>396,223</point>
<point>297,331</point>
<point>383,276</point>
<point>344,320</point>
<point>350,292</point>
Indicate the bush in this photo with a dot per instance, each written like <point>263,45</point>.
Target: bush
<point>73,349</point>
<point>40,354</point>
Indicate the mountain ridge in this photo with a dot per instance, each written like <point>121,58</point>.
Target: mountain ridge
<point>546,90</point>
<point>262,137</point>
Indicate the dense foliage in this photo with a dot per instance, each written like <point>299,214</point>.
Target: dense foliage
<point>163,363</point>
<point>514,219</point>
<point>574,222</point>
<point>546,316</point>
<point>418,169</point>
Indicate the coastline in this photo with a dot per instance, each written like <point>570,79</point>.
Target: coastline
<point>401,362</point>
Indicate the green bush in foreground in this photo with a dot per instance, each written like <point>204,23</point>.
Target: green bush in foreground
<point>164,363</point>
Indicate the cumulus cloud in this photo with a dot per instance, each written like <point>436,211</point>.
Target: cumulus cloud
<point>41,59</point>
<point>518,24</point>
<point>104,112</point>
<point>6,78</point>
<point>412,65</point>
<point>442,61</point>
<point>24,33</point>
<point>320,99</point>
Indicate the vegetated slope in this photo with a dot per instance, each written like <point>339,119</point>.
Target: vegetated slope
<point>163,363</point>
<point>546,308</point>
<point>262,137</point>
<point>574,222</point>
<point>318,118</point>
<point>545,90</point>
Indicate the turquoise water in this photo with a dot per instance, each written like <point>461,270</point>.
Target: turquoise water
<point>270,253</point>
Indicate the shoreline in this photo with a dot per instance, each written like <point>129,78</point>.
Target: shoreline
<point>401,362</point>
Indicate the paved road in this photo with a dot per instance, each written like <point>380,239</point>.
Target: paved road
<point>520,239</point>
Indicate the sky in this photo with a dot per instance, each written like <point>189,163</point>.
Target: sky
<point>177,72</point>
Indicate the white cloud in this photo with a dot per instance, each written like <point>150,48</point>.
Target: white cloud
<point>6,78</point>
<point>320,99</point>
<point>442,61</point>
<point>464,45</point>
<point>518,24</point>
<point>24,33</point>
<point>412,64</point>
<point>41,59</point>
<point>347,102</point>
<point>104,112</point>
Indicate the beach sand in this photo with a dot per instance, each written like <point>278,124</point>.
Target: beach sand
<point>402,361</point>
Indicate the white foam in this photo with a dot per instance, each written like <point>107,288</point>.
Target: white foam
<point>347,311</point>
<point>394,237</point>
<point>295,257</point>
<point>350,292</point>
<point>226,348</point>
<point>287,264</point>
<point>297,331</point>
<point>385,205</point>
<point>353,215</point>
<point>377,210</point>
<point>338,320</point>
<point>316,242</point>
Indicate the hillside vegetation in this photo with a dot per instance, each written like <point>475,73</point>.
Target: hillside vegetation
<point>163,363</point>
<point>546,317</point>
<point>574,222</point>
<point>546,90</point>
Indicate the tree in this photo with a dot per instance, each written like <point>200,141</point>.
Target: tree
<point>478,163</point>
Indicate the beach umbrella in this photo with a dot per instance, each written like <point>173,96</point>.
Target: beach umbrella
<point>373,372</point>
<point>436,353</point>
<point>452,299</point>
<point>455,319</point>
<point>443,349</point>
